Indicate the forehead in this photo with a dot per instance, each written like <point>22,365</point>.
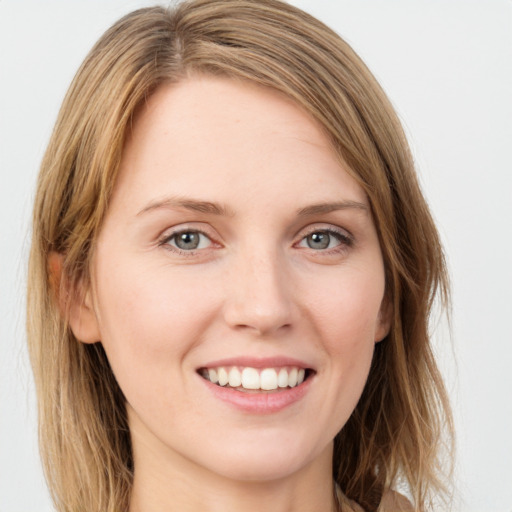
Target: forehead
<point>216,136</point>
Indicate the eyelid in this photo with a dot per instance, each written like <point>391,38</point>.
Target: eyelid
<point>345,238</point>
<point>170,233</point>
<point>330,228</point>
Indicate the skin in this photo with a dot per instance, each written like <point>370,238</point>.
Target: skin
<point>254,287</point>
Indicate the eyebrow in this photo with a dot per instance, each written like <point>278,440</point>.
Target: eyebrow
<point>322,208</point>
<point>188,204</point>
<point>209,207</point>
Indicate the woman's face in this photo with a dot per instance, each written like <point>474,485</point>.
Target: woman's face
<point>236,247</point>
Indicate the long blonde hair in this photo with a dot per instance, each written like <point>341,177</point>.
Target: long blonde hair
<point>395,432</point>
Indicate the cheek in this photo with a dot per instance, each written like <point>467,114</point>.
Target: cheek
<point>347,310</point>
<point>149,301</point>
<point>149,320</point>
<point>346,317</point>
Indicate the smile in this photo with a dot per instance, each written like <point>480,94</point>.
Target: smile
<point>247,379</point>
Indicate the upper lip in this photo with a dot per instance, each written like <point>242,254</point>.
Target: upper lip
<point>259,362</point>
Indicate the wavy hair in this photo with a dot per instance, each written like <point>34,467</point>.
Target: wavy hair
<point>397,429</point>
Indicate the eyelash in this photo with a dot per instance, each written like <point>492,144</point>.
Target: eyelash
<point>343,237</point>
<point>345,240</point>
<point>167,238</point>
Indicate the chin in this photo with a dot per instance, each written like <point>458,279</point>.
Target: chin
<point>259,470</point>
<point>265,461</point>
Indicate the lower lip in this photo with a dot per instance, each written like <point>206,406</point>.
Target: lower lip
<point>259,403</point>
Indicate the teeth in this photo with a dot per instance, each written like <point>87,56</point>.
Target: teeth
<point>223,376</point>
<point>282,378</point>
<point>212,375</point>
<point>292,377</point>
<point>266,379</point>
<point>250,378</point>
<point>235,379</point>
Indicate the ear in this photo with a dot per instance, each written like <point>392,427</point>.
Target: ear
<point>384,319</point>
<point>75,303</point>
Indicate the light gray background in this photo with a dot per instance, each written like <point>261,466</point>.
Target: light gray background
<point>447,67</point>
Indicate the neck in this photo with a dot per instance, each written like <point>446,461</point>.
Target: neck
<point>167,483</point>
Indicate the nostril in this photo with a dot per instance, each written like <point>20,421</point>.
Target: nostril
<point>262,328</point>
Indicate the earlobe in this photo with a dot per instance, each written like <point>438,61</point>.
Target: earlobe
<point>75,304</point>
<point>82,318</point>
<point>384,320</point>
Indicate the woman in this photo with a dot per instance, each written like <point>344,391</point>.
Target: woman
<point>231,275</point>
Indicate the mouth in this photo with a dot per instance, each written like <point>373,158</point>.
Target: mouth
<point>247,379</point>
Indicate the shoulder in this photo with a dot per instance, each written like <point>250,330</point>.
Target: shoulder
<point>395,502</point>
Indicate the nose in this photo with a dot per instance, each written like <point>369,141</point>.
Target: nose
<point>259,295</point>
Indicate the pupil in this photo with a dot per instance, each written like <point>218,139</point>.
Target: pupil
<point>318,240</point>
<point>188,240</point>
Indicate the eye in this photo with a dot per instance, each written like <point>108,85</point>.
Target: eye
<point>323,239</point>
<point>188,240</point>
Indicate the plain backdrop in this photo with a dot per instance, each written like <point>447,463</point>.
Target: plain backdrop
<point>447,67</point>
